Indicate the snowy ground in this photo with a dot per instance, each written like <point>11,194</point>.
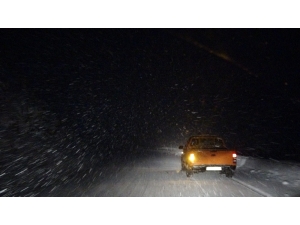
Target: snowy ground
<point>269,177</point>
<point>157,173</point>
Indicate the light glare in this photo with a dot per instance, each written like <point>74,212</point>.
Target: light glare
<point>192,157</point>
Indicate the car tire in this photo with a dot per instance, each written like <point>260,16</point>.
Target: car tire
<point>229,173</point>
<point>189,173</point>
<point>182,167</point>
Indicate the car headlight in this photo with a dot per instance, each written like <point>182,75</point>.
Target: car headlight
<point>192,157</point>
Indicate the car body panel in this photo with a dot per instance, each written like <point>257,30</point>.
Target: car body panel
<point>212,157</point>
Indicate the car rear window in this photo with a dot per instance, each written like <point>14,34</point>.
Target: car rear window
<point>206,143</point>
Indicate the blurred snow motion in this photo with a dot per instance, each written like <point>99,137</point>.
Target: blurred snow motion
<point>73,102</point>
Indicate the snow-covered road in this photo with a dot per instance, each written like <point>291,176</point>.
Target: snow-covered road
<point>160,176</point>
<point>156,173</point>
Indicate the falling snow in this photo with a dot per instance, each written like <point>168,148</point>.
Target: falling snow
<point>74,107</point>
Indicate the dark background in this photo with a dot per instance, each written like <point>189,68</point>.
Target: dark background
<point>82,96</point>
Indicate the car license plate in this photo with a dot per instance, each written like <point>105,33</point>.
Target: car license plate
<point>213,168</point>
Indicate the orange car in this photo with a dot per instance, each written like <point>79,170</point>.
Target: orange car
<point>207,152</point>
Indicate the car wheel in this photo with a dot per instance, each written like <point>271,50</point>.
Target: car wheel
<point>189,173</point>
<point>182,166</point>
<point>229,173</point>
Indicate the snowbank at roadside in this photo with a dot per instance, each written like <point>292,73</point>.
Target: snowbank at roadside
<point>269,177</point>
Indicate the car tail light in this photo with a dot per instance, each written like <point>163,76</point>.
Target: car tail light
<point>192,157</point>
<point>234,157</point>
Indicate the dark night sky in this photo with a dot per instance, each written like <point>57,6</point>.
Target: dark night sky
<point>154,87</point>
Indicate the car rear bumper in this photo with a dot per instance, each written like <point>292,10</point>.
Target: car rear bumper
<point>202,168</point>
